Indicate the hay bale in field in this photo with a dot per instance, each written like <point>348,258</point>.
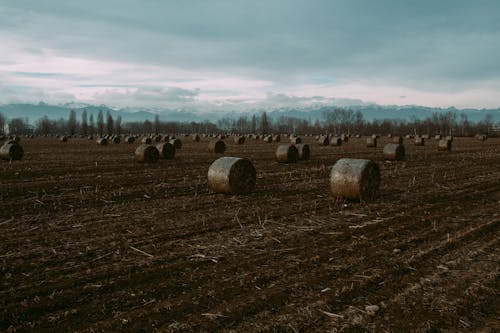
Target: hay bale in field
<point>408,136</point>
<point>277,138</point>
<point>397,139</point>
<point>63,138</point>
<point>375,136</point>
<point>102,141</point>
<point>146,140</point>
<point>357,136</point>
<point>195,138</point>
<point>116,139</point>
<point>419,141</point>
<point>295,140</point>
<point>323,140</point>
<point>239,140</point>
<point>355,179</point>
<point>221,136</point>
<point>158,138</point>
<point>90,137</point>
<point>335,141</point>
<point>481,137</point>
<point>344,138</point>
<point>449,137</point>
<point>147,154</point>
<point>268,139</point>
<point>11,150</point>
<point>425,136</point>
<point>287,154</point>
<point>217,146</point>
<point>371,142</point>
<point>166,150</point>
<point>438,137</point>
<point>129,139</point>
<point>304,151</point>
<point>177,143</point>
<point>444,145</point>
<point>231,175</point>
<point>167,138</point>
<point>394,152</point>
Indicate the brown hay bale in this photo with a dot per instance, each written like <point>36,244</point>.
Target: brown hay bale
<point>419,141</point>
<point>116,140</point>
<point>295,140</point>
<point>481,137</point>
<point>335,141</point>
<point>231,175</point>
<point>11,150</point>
<point>444,145</point>
<point>357,136</point>
<point>177,143</point>
<point>287,154</point>
<point>217,146</point>
<point>355,179</point>
<point>90,137</point>
<point>147,154</point>
<point>394,152</point>
<point>158,138</point>
<point>323,140</point>
<point>102,141</point>
<point>408,136</point>
<point>268,139</point>
<point>397,139</point>
<point>63,138</point>
<point>167,138</point>
<point>166,150</point>
<point>304,151</point>
<point>426,136</point>
<point>344,138</point>
<point>449,137</point>
<point>239,140</point>
<point>195,138</point>
<point>277,138</point>
<point>371,141</point>
<point>438,137</point>
<point>146,141</point>
<point>129,139</point>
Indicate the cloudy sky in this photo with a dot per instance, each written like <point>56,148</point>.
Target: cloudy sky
<point>237,54</point>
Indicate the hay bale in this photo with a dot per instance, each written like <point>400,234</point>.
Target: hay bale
<point>371,142</point>
<point>323,140</point>
<point>408,136</point>
<point>444,145</point>
<point>90,137</point>
<point>158,138</point>
<point>217,146</point>
<point>481,137</point>
<point>335,141</point>
<point>11,150</point>
<point>166,150</point>
<point>394,152</point>
<point>287,154</point>
<point>397,139</point>
<point>438,137</point>
<point>426,136</point>
<point>277,138</point>
<point>102,141</point>
<point>146,141</point>
<point>449,137</point>
<point>195,138</point>
<point>129,139</point>
<point>357,136</point>
<point>147,154</point>
<point>239,140</point>
<point>344,138</point>
<point>419,141</point>
<point>116,139</point>
<point>63,138</point>
<point>295,140</point>
<point>304,151</point>
<point>2,137</point>
<point>268,139</point>
<point>355,179</point>
<point>177,143</point>
<point>231,175</point>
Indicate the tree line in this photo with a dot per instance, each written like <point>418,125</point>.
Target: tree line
<point>335,121</point>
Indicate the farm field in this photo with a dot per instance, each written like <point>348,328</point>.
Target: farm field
<point>92,241</point>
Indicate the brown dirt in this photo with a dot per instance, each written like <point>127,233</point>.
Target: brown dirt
<point>91,241</point>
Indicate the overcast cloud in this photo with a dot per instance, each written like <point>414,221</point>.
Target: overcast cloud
<point>176,53</point>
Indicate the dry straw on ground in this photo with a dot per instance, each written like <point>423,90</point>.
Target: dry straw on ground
<point>232,175</point>
<point>355,179</point>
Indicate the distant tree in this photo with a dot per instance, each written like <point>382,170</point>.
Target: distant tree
<point>157,124</point>
<point>19,126</point>
<point>85,125</point>
<point>100,123</point>
<point>253,125</point>
<point>264,124</point>
<point>118,125</point>
<point>72,122</point>
<point>44,126</point>
<point>109,124</point>
<point>91,124</point>
<point>2,124</point>
<point>147,127</point>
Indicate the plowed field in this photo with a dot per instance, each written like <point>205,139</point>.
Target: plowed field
<point>91,241</point>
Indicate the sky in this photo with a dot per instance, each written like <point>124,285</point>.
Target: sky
<point>235,54</point>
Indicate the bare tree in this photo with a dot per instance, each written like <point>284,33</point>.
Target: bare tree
<point>100,123</point>
<point>85,125</point>
<point>109,124</point>
<point>91,124</point>
<point>157,124</point>
<point>118,125</point>
<point>72,122</point>
<point>2,124</point>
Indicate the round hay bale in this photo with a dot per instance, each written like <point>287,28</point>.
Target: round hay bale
<point>63,138</point>
<point>408,136</point>
<point>371,142</point>
<point>481,137</point>
<point>355,179</point>
<point>438,137</point>
<point>158,138</point>
<point>323,140</point>
<point>90,137</point>
<point>344,138</point>
<point>177,143</point>
<point>146,141</point>
<point>166,150</point>
<point>16,138</point>
<point>129,139</point>
<point>419,141</point>
<point>357,136</point>
<point>304,151</point>
<point>295,140</point>
<point>116,140</point>
<point>217,146</point>
<point>268,139</point>
<point>147,154</point>
<point>335,141</point>
<point>449,137</point>
<point>239,140</point>
<point>195,138</point>
<point>167,138</point>
<point>394,152</point>
<point>397,139</point>
<point>277,138</point>
<point>287,154</point>
<point>444,145</point>
<point>231,175</point>
<point>102,141</point>
<point>11,150</point>
<point>221,136</point>
<point>426,136</point>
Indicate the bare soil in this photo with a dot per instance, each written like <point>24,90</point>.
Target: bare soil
<point>92,241</point>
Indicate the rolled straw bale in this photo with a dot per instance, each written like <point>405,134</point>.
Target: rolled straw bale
<point>344,138</point>
<point>63,138</point>
<point>287,153</point>
<point>146,140</point>
<point>295,140</point>
<point>335,141</point>
<point>217,146</point>
<point>231,175</point>
<point>449,137</point>
<point>116,139</point>
<point>355,179</point>
<point>323,140</point>
<point>444,145</point>
<point>408,136</point>
<point>268,139</point>
<point>304,151</point>
<point>394,152</point>
<point>277,138</point>
<point>167,138</point>
<point>239,140</point>
<point>438,137</point>
<point>371,141</point>
<point>102,141</point>
<point>195,138</point>
<point>375,136</point>
<point>481,137</point>
<point>158,138</point>
<point>426,136</point>
<point>177,143</point>
<point>166,150</point>
<point>11,150</point>
<point>147,154</point>
<point>129,139</point>
<point>419,141</point>
<point>16,138</point>
<point>90,137</point>
<point>221,136</point>
<point>397,139</point>
<point>357,136</point>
